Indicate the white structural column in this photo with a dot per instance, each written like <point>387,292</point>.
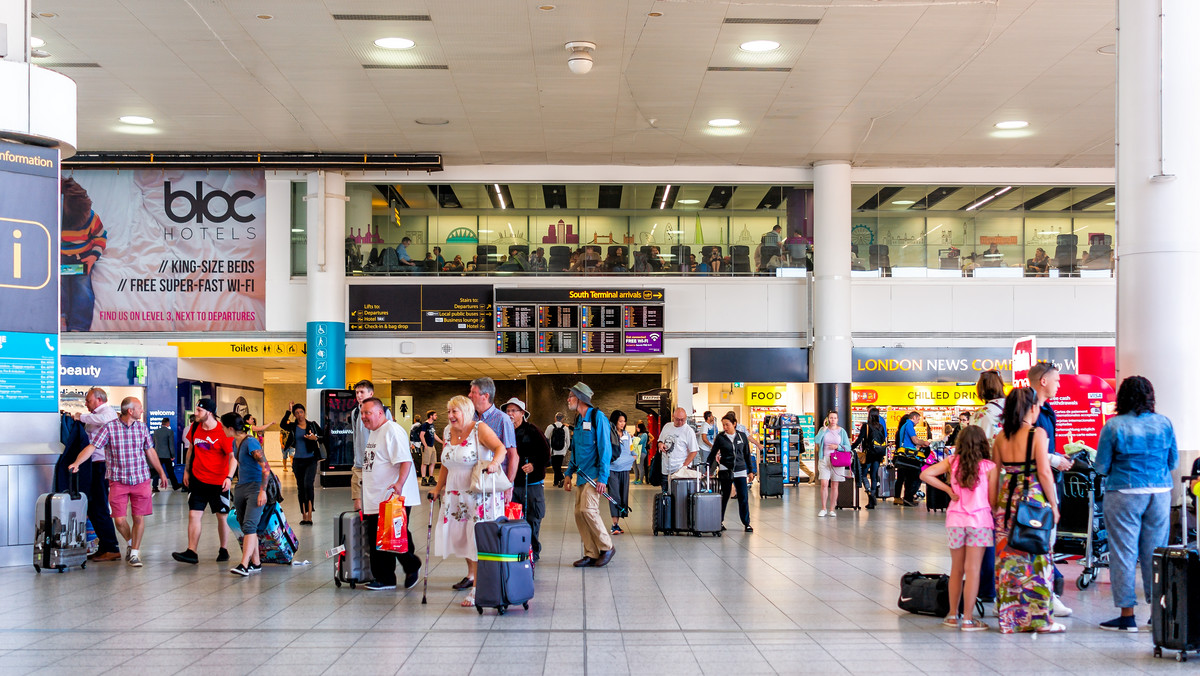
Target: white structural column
<point>326,204</point>
<point>831,365</point>
<point>1158,178</point>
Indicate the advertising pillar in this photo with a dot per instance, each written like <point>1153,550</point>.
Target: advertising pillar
<point>1158,176</point>
<point>326,363</point>
<point>831,349</point>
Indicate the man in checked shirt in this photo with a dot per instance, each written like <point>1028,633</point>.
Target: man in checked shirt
<point>130,450</point>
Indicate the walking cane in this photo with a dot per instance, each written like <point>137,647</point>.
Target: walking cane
<point>622,510</point>
<point>428,537</point>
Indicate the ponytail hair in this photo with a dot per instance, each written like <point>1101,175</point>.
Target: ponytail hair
<point>235,422</point>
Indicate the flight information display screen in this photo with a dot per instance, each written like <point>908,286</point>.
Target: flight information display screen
<point>579,321</point>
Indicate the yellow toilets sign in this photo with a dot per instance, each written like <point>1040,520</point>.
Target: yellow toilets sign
<point>242,348</point>
<point>765,395</point>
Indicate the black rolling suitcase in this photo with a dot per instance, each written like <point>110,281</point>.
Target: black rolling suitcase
<point>353,565</point>
<point>770,480</point>
<point>937,500</point>
<point>664,513</point>
<point>681,490</point>
<point>704,509</point>
<point>1175,606</point>
<point>504,576</point>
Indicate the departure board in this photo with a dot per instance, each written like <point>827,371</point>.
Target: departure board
<point>421,307</point>
<point>516,342</point>
<point>579,321</point>
<point>516,317</point>
<point>558,342</point>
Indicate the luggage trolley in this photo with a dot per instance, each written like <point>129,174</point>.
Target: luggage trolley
<point>1082,533</point>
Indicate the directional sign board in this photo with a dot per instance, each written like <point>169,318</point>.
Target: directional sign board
<point>420,307</point>
<point>583,321</point>
<point>326,355</point>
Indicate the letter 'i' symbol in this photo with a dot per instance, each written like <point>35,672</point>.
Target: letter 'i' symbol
<point>17,255</point>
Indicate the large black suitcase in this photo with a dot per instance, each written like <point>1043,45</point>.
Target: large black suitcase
<point>1175,610</point>
<point>353,565</point>
<point>504,575</point>
<point>770,480</point>
<point>664,513</point>
<point>936,499</point>
<point>681,489</point>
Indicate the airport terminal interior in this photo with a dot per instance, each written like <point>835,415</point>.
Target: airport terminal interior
<point>773,210</point>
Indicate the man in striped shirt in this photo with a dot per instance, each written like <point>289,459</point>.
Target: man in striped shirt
<point>130,451</point>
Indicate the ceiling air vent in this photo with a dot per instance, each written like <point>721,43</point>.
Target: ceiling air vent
<point>772,22</point>
<point>382,17</point>
<point>70,64</point>
<point>746,69</point>
<point>385,66</point>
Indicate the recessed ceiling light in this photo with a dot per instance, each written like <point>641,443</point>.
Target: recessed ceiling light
<point>1110,204</point>
<point>395,43</point>
<point>39,53</point>
<point>759,46</point>
<point>47,15</point>
<point>432,121</point>
<point>1107,50</point>
<point>36,42</point>
<point>1012,124</point>
<point>265,17</point>
<point>136,119</point>
<point>655,14</point>
<point>724,122</point>
<point>546,8</point>
<point>903,203</point>
<point>689,201</point>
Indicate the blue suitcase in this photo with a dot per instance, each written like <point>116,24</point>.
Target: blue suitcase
<point>504,576</point>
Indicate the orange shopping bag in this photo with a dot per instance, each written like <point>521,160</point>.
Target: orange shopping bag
<point>392,533</point>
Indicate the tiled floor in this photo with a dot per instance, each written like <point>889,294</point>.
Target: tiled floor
<point>799,595</point>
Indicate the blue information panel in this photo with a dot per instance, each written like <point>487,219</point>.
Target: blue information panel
<point>28,372</point>
<point>326,355</point>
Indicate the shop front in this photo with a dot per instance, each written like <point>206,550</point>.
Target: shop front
<point>150,379</point>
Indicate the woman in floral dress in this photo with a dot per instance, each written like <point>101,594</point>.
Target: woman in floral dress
<point>467,442</point>
<point>1023,582</point>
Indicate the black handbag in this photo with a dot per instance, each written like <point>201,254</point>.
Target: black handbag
<point>1031,526</point>
<point>925,594</point>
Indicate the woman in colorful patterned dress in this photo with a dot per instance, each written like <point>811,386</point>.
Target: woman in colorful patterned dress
<point>1023,582</point>
<point>467,442</point>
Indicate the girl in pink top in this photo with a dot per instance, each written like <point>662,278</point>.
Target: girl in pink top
<point>974,481</point>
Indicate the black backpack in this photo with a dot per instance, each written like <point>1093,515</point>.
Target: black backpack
<point>415,435</point>
<point>558,438</point>
<point>614,439</point>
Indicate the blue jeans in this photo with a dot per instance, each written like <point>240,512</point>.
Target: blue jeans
<point>870,477</point>
<point>78,302</point>
<point>1136,525</point>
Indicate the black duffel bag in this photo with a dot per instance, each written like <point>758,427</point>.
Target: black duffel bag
<point>925,594</point>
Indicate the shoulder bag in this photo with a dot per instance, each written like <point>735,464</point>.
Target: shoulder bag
<point>1030,528</point>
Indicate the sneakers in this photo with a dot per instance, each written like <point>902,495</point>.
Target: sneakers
<point>134,560</point>
<point>1060,608</point>
<point>749,529</point>
<point>1121,623</point>
<point>186,556</point>
<point>411,579</point>
<point>822,513</point>
<point>379,586</point>
<point>240,570</point>
<point>254,568</point>
<point>832,513</point>
<point>222,555</point>
<point>616,530</point>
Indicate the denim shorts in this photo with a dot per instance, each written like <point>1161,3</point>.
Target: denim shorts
<point>245,501</point>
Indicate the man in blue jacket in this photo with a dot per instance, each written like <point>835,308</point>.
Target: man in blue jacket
<point>590,458</point>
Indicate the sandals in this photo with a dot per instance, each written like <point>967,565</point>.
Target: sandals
<point>469,602</point>
<point>950,622</point>
<point>1053,628</point>
<point>972,625</point>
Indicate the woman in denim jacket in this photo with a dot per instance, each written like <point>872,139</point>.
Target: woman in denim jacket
<point>1136,455</point>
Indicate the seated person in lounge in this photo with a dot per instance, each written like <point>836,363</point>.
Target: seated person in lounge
<point>537,262</point>
<point>992,258</point>
<point>656,261</point>
<point>473,265</point>
<point>455,265</point>
<point>614,263</point>
<point>1039,265</point>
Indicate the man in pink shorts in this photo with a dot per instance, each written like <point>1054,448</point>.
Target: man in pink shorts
<point>130,450</point>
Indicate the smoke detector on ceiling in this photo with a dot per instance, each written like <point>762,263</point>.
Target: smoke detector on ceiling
<point>580,60</point>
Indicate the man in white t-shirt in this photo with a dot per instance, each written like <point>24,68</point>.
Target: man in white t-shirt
<point>708,433</point>
<point>387,469</point>
<point>684,436</point>
<point>558,435</point>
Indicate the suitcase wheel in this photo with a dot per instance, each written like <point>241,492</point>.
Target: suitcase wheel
<point>525,605</point>
<point>352,585</point>
<point>337,583</point>
<point>37,568</point>
<point>83,565</point>
<point>1084,581</point>
<point>501,609</point>
<point>1157,651</point>
<point>62,569</point>
<point>1181,656</point>
<point>480,609</point>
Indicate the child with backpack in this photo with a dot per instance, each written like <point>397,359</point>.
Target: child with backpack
<point>970,525</point>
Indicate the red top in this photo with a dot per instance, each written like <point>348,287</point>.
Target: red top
<point>210,455</point>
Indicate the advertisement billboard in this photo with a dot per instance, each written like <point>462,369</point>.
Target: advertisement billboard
<point>163,250</point>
